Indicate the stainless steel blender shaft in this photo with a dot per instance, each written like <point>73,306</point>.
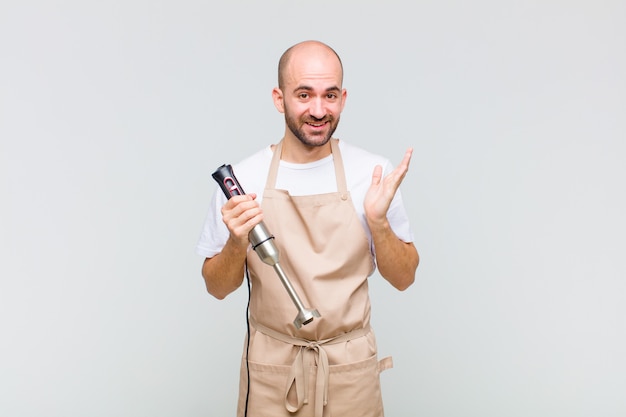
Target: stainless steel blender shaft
<point>263,244</point>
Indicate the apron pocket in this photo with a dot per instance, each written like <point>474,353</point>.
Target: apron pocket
<point>267,390</point>
<point>355,388</point>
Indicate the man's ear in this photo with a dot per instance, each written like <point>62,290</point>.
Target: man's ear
<point>279,100</point>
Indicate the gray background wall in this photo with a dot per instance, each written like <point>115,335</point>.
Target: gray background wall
<point>114,114</point>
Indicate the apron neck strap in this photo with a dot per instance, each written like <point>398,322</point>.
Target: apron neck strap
<point>340,175</point>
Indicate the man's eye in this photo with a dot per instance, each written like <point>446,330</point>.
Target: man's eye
<point>303,95</point>
<point>332,96</point>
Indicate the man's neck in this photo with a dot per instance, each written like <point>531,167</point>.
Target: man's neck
<point>296,152</point>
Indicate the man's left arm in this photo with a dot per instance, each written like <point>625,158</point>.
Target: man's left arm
<point>397,260</point>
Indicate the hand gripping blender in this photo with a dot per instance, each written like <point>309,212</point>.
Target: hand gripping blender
<point>263,244</point>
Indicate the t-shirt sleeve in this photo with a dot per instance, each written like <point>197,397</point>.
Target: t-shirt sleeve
<point>214,232</point>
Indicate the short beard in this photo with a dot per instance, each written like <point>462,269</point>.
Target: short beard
<point>293,126</point>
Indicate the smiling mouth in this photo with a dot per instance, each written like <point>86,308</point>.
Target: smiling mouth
<point>316,124</point>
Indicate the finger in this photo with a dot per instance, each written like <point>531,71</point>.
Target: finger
<point>241,222</point>
<point>406,160</point>
<point>238,206</point>
<point>243,197</point>
<point>407,157</point>
<point>240,200</point>
<point>377,175</point>
<point>403,167</point>
<point>395,178</point>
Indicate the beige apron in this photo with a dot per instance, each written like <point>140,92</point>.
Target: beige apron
<point>328,368</point>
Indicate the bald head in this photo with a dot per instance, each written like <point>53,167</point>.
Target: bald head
<point>305,50</point>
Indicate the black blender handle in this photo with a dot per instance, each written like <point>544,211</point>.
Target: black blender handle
<point>227,181</point>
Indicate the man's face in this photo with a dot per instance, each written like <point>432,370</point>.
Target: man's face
<point>312,99</point>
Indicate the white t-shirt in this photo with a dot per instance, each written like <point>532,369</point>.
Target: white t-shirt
<point>317,177</point>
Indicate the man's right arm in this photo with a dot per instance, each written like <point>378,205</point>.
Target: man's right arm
<point>223,273</point>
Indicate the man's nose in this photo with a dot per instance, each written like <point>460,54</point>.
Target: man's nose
<point>317,109</point>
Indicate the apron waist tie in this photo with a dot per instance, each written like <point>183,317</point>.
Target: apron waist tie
<point>302,362</point>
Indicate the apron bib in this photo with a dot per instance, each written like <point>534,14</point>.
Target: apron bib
<point>329,367</point>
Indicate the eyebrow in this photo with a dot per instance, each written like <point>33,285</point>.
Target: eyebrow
<point>308,88</point>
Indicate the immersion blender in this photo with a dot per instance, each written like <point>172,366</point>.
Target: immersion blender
<point>262,242</point>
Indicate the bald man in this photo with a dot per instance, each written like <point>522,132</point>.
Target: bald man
<point>336,213</point>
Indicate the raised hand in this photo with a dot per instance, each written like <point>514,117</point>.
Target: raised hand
<point>382,190</point>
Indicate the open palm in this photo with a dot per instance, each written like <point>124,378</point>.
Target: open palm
<point>382,190</point>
